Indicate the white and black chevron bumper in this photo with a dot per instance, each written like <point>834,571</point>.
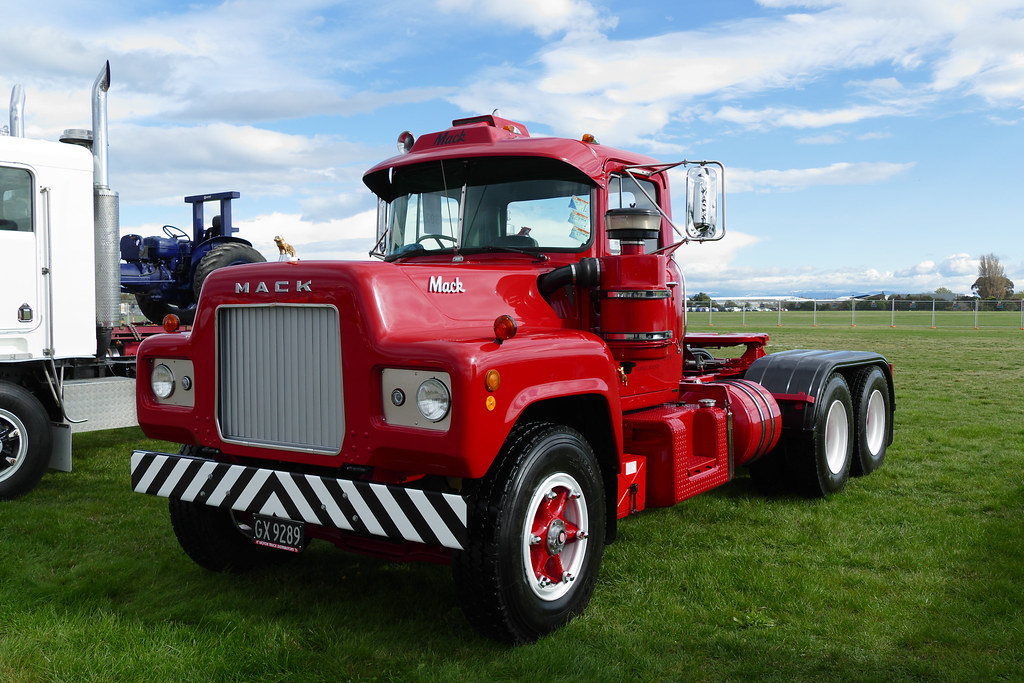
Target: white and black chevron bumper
<point>364,508</point>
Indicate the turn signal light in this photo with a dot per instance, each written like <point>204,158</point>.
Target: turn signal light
<point>590,139</point>
<point>504,328</point>
<point>171,323</point>
<point>492,380</point>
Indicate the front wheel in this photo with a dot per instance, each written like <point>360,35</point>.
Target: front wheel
<point>217,538</point>
<point>25,441</point>
<point>536,536</point>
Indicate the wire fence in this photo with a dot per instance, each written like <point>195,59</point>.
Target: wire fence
<point>975,313</point>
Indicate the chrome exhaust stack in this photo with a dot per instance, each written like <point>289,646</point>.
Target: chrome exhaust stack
<point>106,221</point>
<point>17,129</point>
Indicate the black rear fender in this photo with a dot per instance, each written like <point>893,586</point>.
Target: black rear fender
<point>791,374</point>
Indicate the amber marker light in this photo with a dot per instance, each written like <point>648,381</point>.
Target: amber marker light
<point>590,139</point>
<point>504,328</point>
<point>171,323</point>
<point>490,403</point>
<point>492,380</point>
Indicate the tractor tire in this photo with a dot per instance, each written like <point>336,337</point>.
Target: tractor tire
<point>536,536</point>
<point>820,461</point>
<point>222,256</point>
<point>25,441</point>
<point>156,311</point>
<point>871,412</point>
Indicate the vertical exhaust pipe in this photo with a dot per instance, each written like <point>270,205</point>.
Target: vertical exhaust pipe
<point>18,111</point>
<point>106,221</point>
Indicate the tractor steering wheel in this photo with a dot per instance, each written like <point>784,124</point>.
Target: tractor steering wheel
<point>176,232</point>
<point>437,238</point>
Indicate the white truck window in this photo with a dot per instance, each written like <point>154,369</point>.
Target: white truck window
<point>15,200</point>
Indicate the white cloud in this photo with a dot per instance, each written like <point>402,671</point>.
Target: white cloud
<point>840,173</point>
<point>543,17</point>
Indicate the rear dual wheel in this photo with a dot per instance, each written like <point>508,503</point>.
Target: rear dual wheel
<point>536,536</point>
<point>824,467</point>
<point>872,409</point>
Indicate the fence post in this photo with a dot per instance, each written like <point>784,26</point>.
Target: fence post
<point>893,323</point>
<point>779,304</point>
<point>853,308</point>
<point>976,313</point>
<point>815,316</point>
<point>711,306</point>
<point>933,314</point>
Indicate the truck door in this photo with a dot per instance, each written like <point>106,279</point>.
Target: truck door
<point>19,253</point>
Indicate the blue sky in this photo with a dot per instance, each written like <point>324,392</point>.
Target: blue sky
<point>869,145</point>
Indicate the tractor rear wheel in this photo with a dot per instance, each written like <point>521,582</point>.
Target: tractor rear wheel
<point>222,256</point>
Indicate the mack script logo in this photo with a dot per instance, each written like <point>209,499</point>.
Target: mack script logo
<point>280,286</point>
<point>438,285</point>
<point>447,138</point>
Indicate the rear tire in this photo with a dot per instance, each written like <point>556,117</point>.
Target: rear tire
<point>536,536</point>
<point>821,460</point>
<point>25,441</point>
<point>872,412</point>
<point>222,256</point>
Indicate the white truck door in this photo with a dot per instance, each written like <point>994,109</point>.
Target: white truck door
<point>19,253</point>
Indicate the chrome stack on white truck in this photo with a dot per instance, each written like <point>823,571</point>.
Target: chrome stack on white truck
<point>60,297</point>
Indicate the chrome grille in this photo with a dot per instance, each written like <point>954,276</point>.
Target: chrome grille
<point>279,377</point>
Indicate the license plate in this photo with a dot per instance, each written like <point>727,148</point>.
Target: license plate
<point>273,532</point>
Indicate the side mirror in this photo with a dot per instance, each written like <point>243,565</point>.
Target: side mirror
<point>703,190</point>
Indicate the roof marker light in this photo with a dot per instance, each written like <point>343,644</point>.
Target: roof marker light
<point>405,142</point>
<point>171,323</point>
<point>590,139</point>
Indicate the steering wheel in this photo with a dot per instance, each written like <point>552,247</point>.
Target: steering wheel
<point>437,238</point>
<point>174,231</point>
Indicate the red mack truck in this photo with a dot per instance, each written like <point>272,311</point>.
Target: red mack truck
<point>510,378</point>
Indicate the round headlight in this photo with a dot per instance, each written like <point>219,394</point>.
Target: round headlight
<point>433,399</point>
<point>162,381</point>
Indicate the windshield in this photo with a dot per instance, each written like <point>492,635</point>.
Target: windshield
<point>500,203</point>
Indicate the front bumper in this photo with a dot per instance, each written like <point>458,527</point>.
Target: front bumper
<point>363,508</point>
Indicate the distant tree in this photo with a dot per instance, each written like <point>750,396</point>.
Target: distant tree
<point>944,293</point>
<point>700,297</point>
<point>992,282</point>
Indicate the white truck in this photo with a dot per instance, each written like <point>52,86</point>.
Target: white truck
<point>60,297</point>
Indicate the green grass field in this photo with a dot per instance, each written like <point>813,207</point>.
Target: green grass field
<point>914,572</point>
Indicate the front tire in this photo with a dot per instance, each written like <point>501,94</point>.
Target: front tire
<point>25,441</point>
<point>216,538</point>
<point>536,536</point>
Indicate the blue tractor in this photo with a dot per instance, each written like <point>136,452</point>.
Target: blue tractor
<point>167,273</point>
